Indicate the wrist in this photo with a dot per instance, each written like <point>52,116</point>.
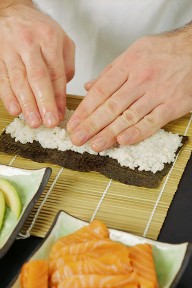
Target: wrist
<point>5,5</point>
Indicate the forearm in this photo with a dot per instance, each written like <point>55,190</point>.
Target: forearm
<point>4,4</point>
<point>184,34</point>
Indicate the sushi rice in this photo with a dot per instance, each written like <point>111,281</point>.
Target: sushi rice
<point>148,155</point>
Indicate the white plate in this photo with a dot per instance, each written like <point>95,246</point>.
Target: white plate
<point>170,260</point>
<point>29,185</point>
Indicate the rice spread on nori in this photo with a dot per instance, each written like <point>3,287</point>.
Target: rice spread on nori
<point>142,164</point>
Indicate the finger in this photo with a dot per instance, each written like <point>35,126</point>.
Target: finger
<point>105,114</point>
<point>150,124</point>
<point>40,83</point>
<point>22,90</point>
<point>108,136</point>
<point>7,95</point>
<point>55,64</point>
<point>89,84</point>
<point>69,58</point>
<point>98,94</point>
<point>59,88</point>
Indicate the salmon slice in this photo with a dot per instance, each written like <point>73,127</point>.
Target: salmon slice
<point>141,257</point>
<point>95,230</point>
<point>109,264</point>
<point>95,246</point>
<point>83,251</point>
<point>34,274</point>
<point>54,264</point>
<point>100,281</point>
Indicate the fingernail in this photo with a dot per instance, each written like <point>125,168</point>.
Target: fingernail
<point>79,137</point>
<point>50,119</point>
<point>14,108</point>
<point>72,124</point>
<point>33,119</point>
<point>99,144</point>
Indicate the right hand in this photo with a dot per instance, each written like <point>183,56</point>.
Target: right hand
<point>36,62</point>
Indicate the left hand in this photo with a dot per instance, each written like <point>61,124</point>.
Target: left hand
<point>141,91</point>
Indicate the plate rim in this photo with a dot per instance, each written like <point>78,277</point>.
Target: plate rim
<point>184,264</point>
<point>175,282</point>
<point>45,177</point>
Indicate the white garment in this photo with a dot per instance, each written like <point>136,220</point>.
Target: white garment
<point>103,29</point>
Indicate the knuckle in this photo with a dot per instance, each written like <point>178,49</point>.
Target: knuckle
<point>146,75</point>
<point>151,121</point>
<point>93,125</point>
<point>25,102</point>
<point>130,116</point>
<point>46,102</point>
<point>112,107</point>
<point>138,133</point>
<point>112,132</point>
<point>48,32</point>
<point>98,91</point>
<point>56,73</point>
<point>38,73</point>
<point>27,37</point>
<point>70,73</point>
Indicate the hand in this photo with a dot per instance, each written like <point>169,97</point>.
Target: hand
<point>142,90</point>
<point>36,61</point>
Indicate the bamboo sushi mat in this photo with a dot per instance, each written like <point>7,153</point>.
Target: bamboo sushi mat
<point>90,195</point>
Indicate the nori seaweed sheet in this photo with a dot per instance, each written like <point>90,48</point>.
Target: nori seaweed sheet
<point>84,162</point>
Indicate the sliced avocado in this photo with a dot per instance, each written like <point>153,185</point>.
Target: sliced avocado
<point>2,208</point>
<point>11,196</point>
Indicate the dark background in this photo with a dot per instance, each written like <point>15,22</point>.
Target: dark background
<point>177,228</point>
